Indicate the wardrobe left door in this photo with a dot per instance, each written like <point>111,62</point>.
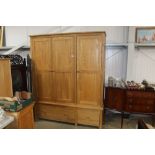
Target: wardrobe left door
<point>42,68</point>
<point>5,78</point>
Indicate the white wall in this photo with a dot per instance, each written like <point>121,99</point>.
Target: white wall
<point>116,62</point>
<point>116,57</point>
<point>16,35</point>
<point>141,61</point>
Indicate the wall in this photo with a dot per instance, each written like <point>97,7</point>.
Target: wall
<point>116,57</point>
<point>16,35</point>
<point>132,63</point>
<point>116,62</point>
<point>141,61</point>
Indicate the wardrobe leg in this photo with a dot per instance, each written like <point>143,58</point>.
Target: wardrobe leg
<point>101,120</point>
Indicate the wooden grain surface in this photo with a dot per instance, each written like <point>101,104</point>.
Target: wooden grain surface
<point>5,78</point>
<point>68,72</point>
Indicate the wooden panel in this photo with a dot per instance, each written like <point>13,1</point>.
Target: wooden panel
<point>140,94</point>
<point>26,119</point>
<point>139,108</point>
<point>41,54</point>
<point>63,49</point>
<point>45,86</point>
<point>59,113</point>
<point>140,101</point>
<point>89,53</point>
<point>89,117</point>
<point>22,119</point>
<point>75,60</point>
<point>64,87</point>
<point>5,79</point>
<point>115,98</point>
<point>89,88</point>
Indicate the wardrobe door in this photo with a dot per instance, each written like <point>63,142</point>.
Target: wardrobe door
<point>89,89</point>
<point>41,53</point>
<point>41,56</point>
<point>89,69</point>
<point>63,58</point>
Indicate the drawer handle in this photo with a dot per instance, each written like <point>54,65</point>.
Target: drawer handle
<point>130,100</point>
<point>130,106</point>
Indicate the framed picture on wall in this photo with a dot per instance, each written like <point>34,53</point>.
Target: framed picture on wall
<point>145,35</point>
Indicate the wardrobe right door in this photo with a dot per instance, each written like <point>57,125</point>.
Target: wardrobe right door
<point>89,69</point>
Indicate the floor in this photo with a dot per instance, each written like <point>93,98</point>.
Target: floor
<point>112,121</point>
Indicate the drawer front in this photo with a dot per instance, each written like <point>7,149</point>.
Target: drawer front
<point>88,116</point>
<point>114,98</point>
<point>140,108</point>
<point>140,101</point>
<point>58,113</point>
<point>140,94</point>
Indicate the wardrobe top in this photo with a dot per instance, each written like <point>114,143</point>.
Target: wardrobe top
<point>70,33</point>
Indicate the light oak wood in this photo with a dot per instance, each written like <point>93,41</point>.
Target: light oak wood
<point>5,78</point>
<point>44,86</point>
<point>63,53</point>
<point>42,53</point>
<point>23,119</point>
<point>57,112</point>
<point>69,85</point>
<point>64,87</point>
<point>88,117</point>
<point>88,87</point>
<point>63,58</point>
<point>89,52</point>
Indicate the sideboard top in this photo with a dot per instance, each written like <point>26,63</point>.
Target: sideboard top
<point>69,33</point>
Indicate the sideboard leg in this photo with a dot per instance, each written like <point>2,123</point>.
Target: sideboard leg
<point>122,116</point>
<point>153,119</point>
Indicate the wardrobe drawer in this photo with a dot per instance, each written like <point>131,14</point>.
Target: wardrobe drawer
<point>58,113</point>
<point>88,116</point>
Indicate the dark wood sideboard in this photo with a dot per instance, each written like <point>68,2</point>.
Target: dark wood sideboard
<point>131,101</point>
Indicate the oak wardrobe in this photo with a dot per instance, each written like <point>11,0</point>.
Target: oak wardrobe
<point>68,76</point>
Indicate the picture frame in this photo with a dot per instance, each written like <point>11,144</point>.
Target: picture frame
<point>145,35</point>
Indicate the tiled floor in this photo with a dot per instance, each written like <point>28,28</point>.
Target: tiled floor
<point>112,121</point>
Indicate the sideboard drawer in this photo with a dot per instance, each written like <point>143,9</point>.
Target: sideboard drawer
<point>140,108</point>
<point>140,94</point>
<point>114,98</point>
<point>133,101</point>
<point>140,101</point>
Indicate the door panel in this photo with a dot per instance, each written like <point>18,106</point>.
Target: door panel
<point>89,88</point>
<point>63,53</point>
<point>42,53</point>
<point>5,79</point>
<point>89,53</point>
<point>44,86</point>
<point>64,87</point>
